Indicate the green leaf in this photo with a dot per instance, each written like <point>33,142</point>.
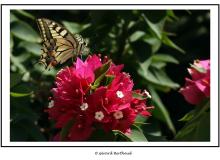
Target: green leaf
<point>65,130</point>
<point>122,135</point>
<point>16,61</point>
<point>203,128</point>
<point>157,28</point>
<point>155,76</point>
<point>139,96</point>
<point>26,77</point>
<point>188,116</point>
<point>198,127</point>
<point>131,24</point>
<point>25,14</point>
<point>164,58</point>
<point>171,44</point>
<point>144,67</point>
<point>153,129</point>
<point>13,18</point>
<point>154,42</point>
<point>103,69</point>
<point>163,79</point>
<point>75,27</point>
<point>136,36</point>
<point>158,65</point>
<point>13,94</point>
<point>160,111</point>
<point>31,47</point>
<point>22,57</point>
<point>100,74</point>
<point>137,135</point>
<point>109,79</point>
<point>172,15</point>
<point>41,68</point>
<point>11,42</point>
<point>140,119</point>
<point>200,108</point>
<point>15,78</point>
<point>196,130</point>
<point>24,31</point>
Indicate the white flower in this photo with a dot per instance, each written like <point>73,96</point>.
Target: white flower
<point>51,104</point>
<point>118,115</point>
<point>120,94</point>
<point>99,115</point>
<point>147,94</point>
<point>84,106</point>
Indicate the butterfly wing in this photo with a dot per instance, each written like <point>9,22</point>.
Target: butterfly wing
<point>65,50</point>
<point>58,43</point>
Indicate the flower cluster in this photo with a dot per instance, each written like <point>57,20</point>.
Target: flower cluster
<point>94,93</point>
<point>197,88</point>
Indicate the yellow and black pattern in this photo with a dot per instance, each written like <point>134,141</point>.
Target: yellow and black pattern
<point>58,43</point>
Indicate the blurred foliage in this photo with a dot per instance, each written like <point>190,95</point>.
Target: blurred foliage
<point>154,45</point>
<point>197,127</point>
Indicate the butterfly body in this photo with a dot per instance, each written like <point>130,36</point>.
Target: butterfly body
<point>58,43</point>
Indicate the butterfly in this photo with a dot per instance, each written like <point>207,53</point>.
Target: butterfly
<point>58,43</point>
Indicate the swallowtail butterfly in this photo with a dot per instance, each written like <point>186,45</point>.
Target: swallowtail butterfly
<point>58,43</point>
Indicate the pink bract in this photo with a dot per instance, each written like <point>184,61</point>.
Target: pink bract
<point>197,88</point>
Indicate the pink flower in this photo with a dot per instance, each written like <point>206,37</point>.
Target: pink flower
<point>108,105</point>
<point>197,88</point>
<point>139,105</point>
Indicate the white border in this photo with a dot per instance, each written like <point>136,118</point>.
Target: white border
<point>110,7</point>
<point>6,76</point>
<point>112,2</point>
